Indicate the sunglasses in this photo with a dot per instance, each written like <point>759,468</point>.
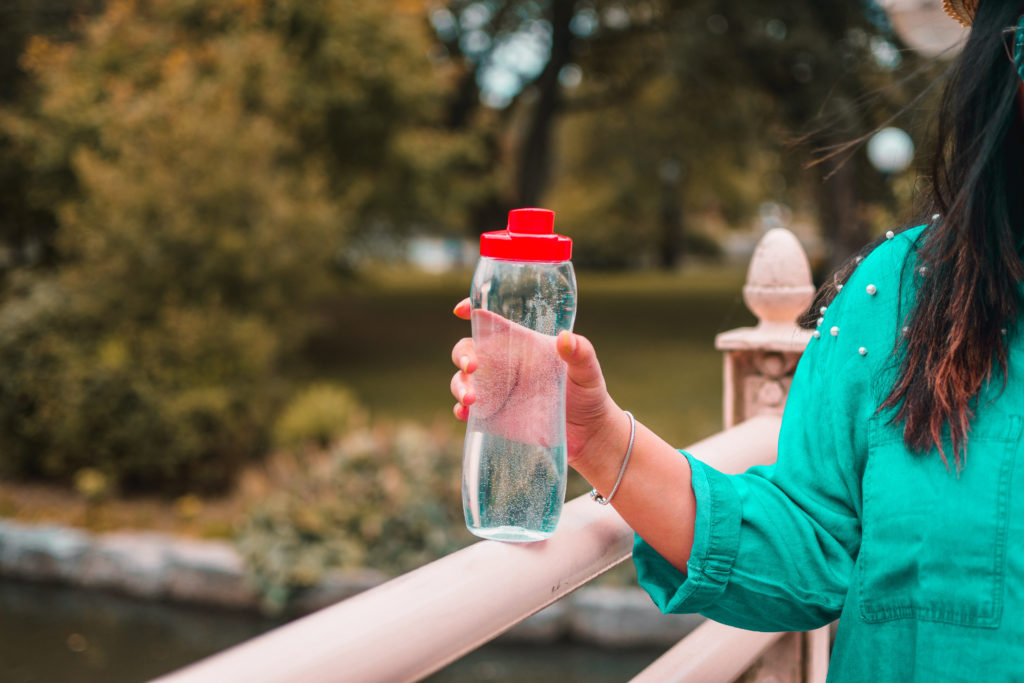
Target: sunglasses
<point>1013,44</point>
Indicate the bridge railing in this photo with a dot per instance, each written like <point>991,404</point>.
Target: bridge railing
<point>421,621</point>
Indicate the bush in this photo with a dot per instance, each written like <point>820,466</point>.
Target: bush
<point>175,405</point>
<point>317,416</point>
<point>197,164</point>
<point>388,498</point>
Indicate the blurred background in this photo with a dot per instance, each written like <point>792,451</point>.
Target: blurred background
<point>232,232</point>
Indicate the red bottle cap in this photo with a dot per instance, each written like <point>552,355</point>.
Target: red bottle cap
<point>530,236</point>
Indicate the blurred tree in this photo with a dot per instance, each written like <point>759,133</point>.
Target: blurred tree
<point>641,155</point>
<point>672,107</point>
<point>205,162</point>
<point>512,59</point>
<point>826,73</point>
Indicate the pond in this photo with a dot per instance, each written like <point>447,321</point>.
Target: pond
<point>55,633</point>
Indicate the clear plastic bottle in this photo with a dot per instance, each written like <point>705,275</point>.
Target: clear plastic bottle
<point>514,460</point>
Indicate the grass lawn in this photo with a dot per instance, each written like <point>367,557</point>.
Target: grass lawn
<point>390,338</point>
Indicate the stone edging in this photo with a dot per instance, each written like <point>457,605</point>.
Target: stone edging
<point>159,566</point>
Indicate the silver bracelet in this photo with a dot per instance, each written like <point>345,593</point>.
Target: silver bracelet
<point>598,498</point>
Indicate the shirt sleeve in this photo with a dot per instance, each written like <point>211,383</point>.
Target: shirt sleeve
<point>774,548</point>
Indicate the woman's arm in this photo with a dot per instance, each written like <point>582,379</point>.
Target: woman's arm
<point>655,496</point>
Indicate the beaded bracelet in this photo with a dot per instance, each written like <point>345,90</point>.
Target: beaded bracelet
<point>598,498</point>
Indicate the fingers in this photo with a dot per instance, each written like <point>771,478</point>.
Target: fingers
<point>578,353</point>
<point>462,390</point>
<point>462,309</point>
<point>464,356</point>
<point>464,359</point>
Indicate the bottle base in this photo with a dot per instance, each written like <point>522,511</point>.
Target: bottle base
<point>510,534</point>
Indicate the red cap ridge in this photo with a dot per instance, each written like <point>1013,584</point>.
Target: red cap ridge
<point>530,236</point>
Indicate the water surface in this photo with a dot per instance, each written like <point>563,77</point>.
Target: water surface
<point>57,634</point>
<point>54,633</point>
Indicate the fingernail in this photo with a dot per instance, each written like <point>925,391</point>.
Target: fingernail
<point>462,396</point>
<point>568,341</point>
<point>464,363</point>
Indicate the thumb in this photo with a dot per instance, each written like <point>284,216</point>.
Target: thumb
<point>578,353</point>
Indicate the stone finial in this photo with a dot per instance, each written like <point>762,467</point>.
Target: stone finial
<point>779,284</point>
<point>760,361</point>
<point>778,290</point>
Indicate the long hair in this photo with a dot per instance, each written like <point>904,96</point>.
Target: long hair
<point>969,267</point>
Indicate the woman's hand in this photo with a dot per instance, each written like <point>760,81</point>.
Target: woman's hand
<point>655,497</point>
<point>510,395</point>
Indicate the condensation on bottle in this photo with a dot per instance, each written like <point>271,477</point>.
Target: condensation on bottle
<point>514,459</point>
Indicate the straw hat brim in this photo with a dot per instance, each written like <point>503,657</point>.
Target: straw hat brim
<point>961,10</point>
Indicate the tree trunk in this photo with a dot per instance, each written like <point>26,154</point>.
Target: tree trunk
<point>670,245</point>
<point>535,150</point>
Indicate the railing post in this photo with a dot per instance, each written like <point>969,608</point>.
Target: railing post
<point>759,366</point>
<point>760,361</point>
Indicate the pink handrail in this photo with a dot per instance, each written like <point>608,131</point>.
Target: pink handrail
<point>417,623</point>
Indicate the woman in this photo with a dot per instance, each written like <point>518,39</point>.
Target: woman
<point>897,502</point>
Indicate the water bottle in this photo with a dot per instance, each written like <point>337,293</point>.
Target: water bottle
<point>514,460</point>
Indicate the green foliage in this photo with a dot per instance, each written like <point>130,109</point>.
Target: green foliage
<point>204,162</point>
<point>317,416</point>
<point>308,116</point>
<point>662,119</point>
<point>168,405</point>
<point>26,228</point>
<point>187,180</point>
<point>387,498</point>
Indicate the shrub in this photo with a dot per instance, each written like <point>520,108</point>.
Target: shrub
<point>196,165</point>
<point>387,498</point>
<point>317,416</point>
<point>171,405</point>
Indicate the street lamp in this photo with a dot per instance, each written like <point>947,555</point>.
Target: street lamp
<point>890,150</point>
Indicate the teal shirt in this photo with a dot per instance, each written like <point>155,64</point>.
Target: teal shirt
<point>923,568</point>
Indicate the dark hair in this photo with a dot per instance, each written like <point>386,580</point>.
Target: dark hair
<point>968,265</point>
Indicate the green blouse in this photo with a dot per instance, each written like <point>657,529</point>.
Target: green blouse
<point>923,568</point>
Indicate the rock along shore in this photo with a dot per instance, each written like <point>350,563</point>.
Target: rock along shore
<point>158,566</point>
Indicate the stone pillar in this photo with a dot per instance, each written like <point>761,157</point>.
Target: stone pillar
<point>760,361</point>
<point>759,366</point>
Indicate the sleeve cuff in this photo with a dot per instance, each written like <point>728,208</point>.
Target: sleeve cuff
<point>715,542</point>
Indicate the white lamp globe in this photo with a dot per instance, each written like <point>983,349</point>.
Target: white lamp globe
<point>890,150</point>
